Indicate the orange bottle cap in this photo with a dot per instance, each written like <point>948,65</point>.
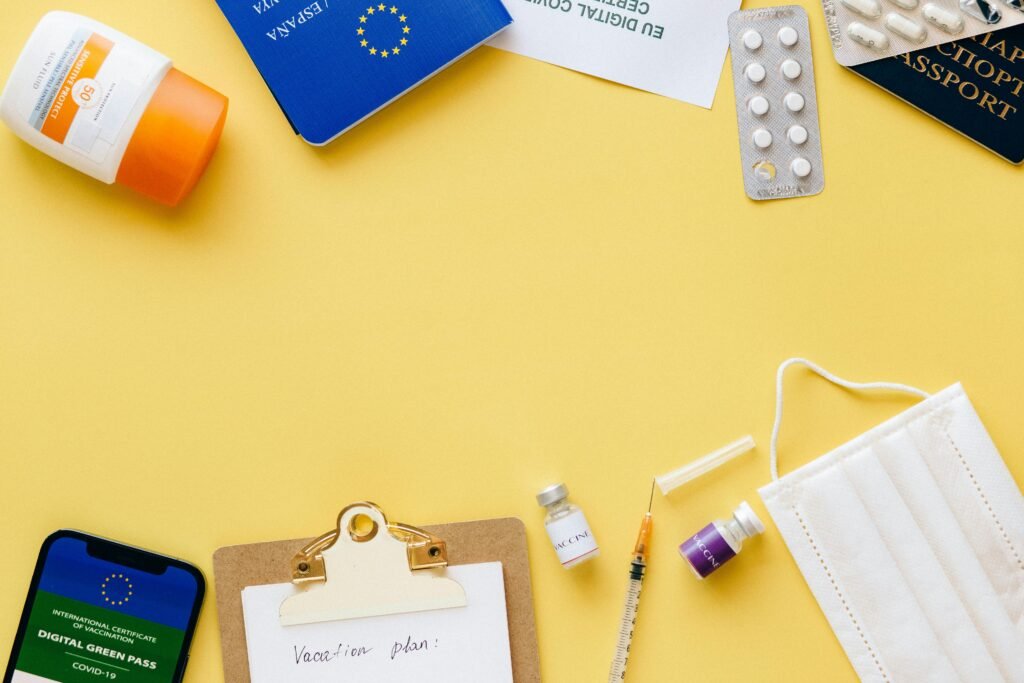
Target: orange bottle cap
<point>174,140</point>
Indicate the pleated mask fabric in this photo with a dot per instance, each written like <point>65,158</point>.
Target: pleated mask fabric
<point>911,538</point>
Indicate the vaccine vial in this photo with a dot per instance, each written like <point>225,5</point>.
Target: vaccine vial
<point>567,527</point>
<point>720,541</point>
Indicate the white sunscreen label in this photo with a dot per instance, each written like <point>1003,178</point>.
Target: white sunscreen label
<point>572,538</point>
<point>86,91</point>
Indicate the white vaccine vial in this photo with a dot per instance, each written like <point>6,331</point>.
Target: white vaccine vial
<point>720,541</point>
<point>567,527</point>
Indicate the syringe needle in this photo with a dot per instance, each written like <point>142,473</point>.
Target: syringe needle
<point>643,538</point>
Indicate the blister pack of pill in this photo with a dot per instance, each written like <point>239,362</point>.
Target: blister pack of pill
<point>776,102</point>
<point>865,30</point>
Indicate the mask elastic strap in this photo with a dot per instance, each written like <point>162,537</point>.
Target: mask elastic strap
<point>814,367</point>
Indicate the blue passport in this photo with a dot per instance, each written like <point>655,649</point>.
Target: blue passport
<point>332,63</point>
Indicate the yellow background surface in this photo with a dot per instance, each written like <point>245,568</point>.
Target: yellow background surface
<point>513,276</point>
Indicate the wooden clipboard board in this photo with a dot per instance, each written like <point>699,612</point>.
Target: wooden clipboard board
<point>492,540</point>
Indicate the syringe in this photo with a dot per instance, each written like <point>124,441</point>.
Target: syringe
<point>637,568</point>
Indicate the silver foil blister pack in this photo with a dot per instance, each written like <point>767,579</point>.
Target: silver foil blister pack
<point>776,102</point>
<point>865,30</point>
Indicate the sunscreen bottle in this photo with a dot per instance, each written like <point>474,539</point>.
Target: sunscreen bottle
<point>112,108</point>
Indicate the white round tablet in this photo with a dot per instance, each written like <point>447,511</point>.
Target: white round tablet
<point>788,36</point>
<point>758,105</point>
<point>752,40</point>
<point>791,69</point>
<point>755,72</point>
<point>801,167</point>
<point>797,135</point>
<point>762,138</point>
<point>794,101</point>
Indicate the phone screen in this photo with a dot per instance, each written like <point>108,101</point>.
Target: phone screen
<point>99,611</point>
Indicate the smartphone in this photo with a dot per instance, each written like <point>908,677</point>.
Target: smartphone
<point>98,610</point>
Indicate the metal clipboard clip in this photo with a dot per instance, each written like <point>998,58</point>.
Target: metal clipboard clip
<point>369,567</point>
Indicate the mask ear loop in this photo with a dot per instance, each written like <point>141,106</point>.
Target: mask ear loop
<point>825,374</point>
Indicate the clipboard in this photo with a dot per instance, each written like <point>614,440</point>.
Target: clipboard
<point>493,540</point>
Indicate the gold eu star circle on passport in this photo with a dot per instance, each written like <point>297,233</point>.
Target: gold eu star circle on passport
<point>116,589</point>
<point>381,15</point>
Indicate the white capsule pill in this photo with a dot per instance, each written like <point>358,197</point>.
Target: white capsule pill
<point>905,4</point>
<point>758,105</point>
<point>788,36</point>
<point>801,167</point>
<point>950,22</point>
<point>794,101</point>
<point>791,69</point>
<point>866,8</point>
<point>868,37</point>
<point>902,26</point>
<point>762,138</point>
<point>755,72</point>
<point>752,40</point>
<point>797,135</point>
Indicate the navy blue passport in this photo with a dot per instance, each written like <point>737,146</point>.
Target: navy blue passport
<point>332,63</point>
<point>973,85</point>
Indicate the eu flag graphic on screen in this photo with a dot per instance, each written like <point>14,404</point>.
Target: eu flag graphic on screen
<point>332,63</point>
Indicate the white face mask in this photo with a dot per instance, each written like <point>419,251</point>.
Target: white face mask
<point>911,538</point>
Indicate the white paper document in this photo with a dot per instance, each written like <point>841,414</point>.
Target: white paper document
<point>674,48</point>
<point>459,644</point>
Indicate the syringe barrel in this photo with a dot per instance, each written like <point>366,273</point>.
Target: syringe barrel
<point>626,625</point>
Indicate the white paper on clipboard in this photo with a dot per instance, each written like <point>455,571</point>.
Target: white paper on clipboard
<point>468,643</point>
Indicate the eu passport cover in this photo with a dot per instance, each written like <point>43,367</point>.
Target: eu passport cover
<point>973,85</point>
<point>332,63</point>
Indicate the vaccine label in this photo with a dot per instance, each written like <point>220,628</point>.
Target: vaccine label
<point>86,93</point>
<point>572,537</point>
<point>707,550</point>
